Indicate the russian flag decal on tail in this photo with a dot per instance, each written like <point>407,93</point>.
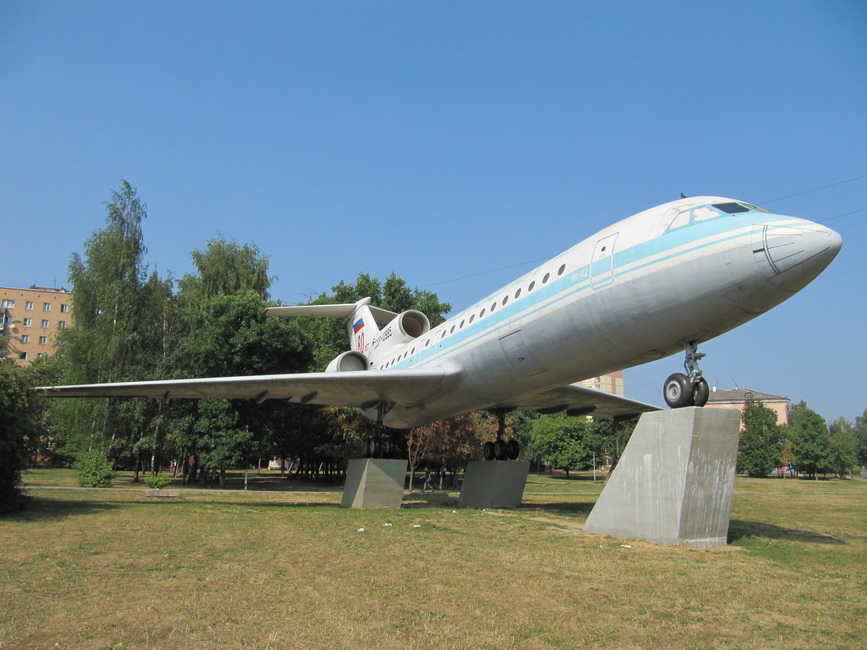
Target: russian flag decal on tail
<point>357,325</point>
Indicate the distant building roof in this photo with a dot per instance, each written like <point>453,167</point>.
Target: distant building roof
<point>741,395</point>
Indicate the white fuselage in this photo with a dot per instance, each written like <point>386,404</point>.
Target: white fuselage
<point>636,291</point>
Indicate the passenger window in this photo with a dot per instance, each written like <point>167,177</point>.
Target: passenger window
<point>561,269</point>
<point>505,300</point>
<point>472,317</point>
<point>532,284</point>
<point>545,279</point>
<point>517,294</point>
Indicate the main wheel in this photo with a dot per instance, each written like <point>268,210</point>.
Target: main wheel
<point>678,391</point>
<point>488,450</point>
<point>512,449</point>
<point>500,450</point>
<point>700,392</point>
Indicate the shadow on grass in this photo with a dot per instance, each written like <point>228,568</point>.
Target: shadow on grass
<point>566,508</point>
<point>45,508</point>
<point>242,504</point>
<point>558,476</point>
<point>739,530</point>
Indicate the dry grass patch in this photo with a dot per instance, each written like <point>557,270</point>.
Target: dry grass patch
<point>115,569</point>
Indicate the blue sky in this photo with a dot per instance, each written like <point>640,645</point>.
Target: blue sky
<point>458,144</point>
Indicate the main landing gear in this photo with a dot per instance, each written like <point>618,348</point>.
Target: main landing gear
<point>377,446</point>
<point>689,389</point>
<point>500,449</point>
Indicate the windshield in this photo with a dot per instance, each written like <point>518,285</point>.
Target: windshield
<point>698,213</point>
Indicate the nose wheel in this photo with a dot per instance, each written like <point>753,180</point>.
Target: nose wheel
<point>689,389</point>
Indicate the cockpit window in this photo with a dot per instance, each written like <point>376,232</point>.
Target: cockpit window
<point>731,208</point>
<point>703,213</point>
<point>680,219</point>
<point>698,213</point>
<point>754,208</point>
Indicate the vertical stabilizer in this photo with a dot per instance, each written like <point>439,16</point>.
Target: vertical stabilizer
<point>362,327</point>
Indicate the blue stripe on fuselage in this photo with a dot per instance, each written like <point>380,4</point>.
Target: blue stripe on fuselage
<point>682,241</point>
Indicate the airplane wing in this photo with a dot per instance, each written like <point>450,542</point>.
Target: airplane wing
<point>362,389</point>
<point>576,399</point>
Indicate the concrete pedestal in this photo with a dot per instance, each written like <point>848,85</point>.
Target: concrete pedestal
<point>673,484</point>
<point>493,484</point>
<point>374,483</point>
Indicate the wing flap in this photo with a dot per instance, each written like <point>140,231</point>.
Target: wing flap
<point>580,400</point>
<point>357,388</point>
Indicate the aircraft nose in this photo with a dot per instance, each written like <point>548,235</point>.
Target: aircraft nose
<point>798,252</point>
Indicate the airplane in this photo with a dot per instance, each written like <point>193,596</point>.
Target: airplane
<point>658,282</point>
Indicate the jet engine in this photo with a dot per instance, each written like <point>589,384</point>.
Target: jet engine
<point>405,327</point>
<point>348,361</point>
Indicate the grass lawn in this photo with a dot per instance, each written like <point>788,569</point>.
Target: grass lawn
<point>281,565</point>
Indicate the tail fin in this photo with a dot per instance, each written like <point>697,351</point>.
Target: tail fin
<point>362,320</point>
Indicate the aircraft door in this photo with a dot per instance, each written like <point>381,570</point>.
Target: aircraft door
<point>602,263</point>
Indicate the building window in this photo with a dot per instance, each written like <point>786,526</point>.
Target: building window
<point>46,306</point>
<point>43,340</point>
<point>39,355</point>
<point>22,356</point>
<point>28,305</point>
<point>45,322</point>
<point>61,324</point>
<point>9,304</point>
<point>64,309</point>
<point>27,322</point>
<point>25,338</point>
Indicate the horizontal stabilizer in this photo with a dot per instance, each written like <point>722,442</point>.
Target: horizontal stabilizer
<point>343,310</point>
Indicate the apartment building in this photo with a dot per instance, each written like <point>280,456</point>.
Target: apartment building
<point>610,383</point>
<point>737,399</point>
<point>31,319</point>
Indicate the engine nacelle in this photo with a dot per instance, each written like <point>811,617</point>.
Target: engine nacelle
<point>405,327</point>
<point>348,361</point>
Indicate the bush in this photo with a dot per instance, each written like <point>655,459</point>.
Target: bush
<point>19,417</point>
<point>94,470</point>
<point>157,482</point>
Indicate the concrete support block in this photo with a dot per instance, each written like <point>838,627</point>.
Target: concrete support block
<point>493,484</point>
<point>674,482</point>
<point>374,483</point>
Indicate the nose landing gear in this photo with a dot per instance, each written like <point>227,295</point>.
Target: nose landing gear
<point>689,389</point>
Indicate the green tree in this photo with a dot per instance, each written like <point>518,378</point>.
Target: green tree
<point>20,420</point>
<point>226,268</point>
<point>225,336</point>
<point>860,432</point>
<point>810,440</point>
<point>607,438</point>
<point>118,331</point>
<point>559,441</point>
<point>760,446</point>
<point>844,447</point>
